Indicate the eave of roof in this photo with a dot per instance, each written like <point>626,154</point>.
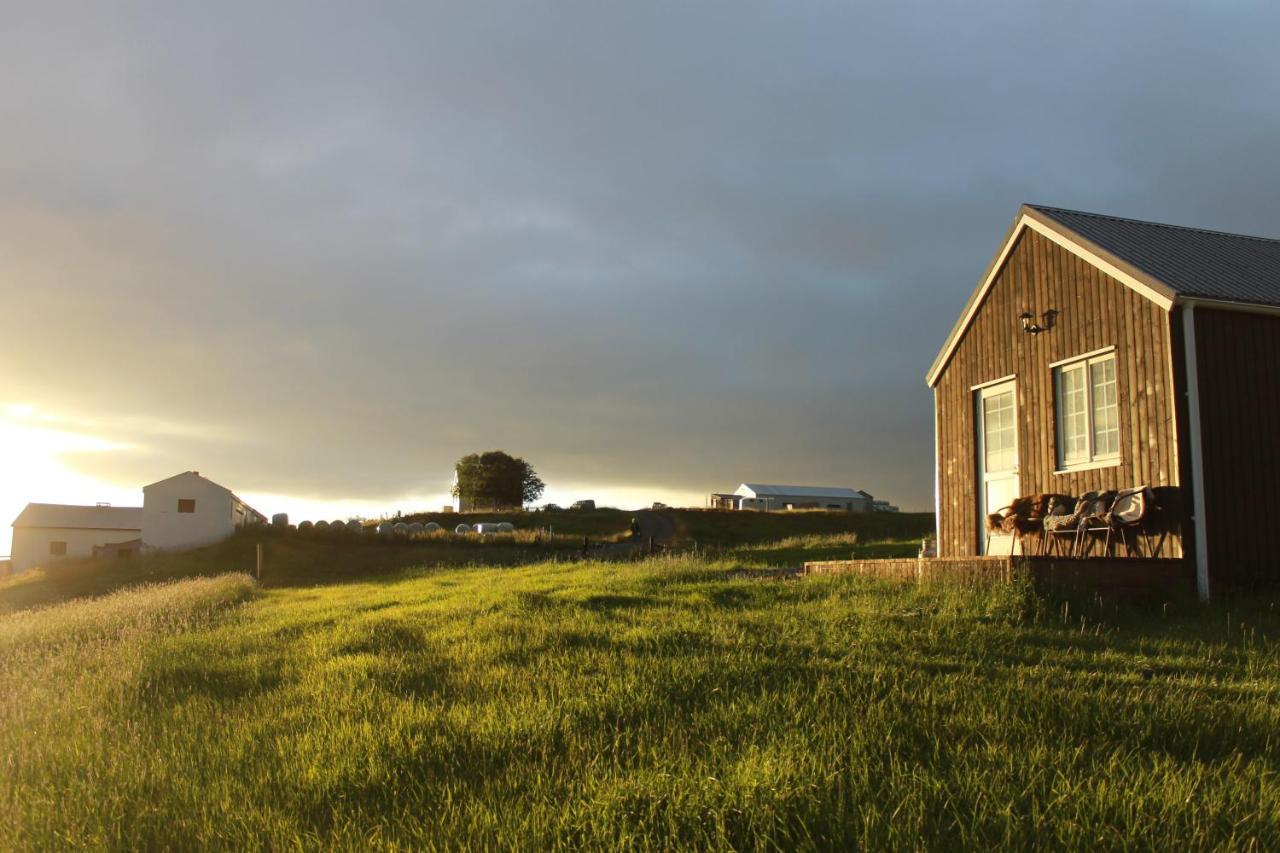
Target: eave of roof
<point>1041,219</point>
<point>1193,262</point>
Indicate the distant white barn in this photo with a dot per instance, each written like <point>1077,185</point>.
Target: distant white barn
<point>187,510</point>
<point>44,533</point>
<point>184,511</point>
<point>770,496</point>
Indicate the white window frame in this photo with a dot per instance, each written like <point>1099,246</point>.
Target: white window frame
<point>1094,459</point>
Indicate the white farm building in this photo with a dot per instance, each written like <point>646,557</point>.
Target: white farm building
<point>183,511</point>
<point>44,532</point>
<point>769,497</point>
<point>188,510</point>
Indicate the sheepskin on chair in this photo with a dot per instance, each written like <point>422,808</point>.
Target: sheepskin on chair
<point>1026,514</point>
<point>1001,520</point>
<point>1066,514</point>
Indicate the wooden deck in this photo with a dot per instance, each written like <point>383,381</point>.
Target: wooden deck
<point>1111,577</point>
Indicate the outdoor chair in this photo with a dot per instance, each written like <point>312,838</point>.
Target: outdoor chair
<point>1095,522</point>
<point>994,523</point>
<point>1163,519</point>
<point>1062,523</point>
<point>1004,520</point>
<point>1022,518</point>
<point>1128,513</point>
<point>1030,521</point>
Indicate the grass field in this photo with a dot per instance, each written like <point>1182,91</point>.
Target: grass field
<point>291,559</point>
<point>308,558</point>
<point>635,706</point>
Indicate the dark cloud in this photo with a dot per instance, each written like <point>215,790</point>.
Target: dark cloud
<point>650,244</point>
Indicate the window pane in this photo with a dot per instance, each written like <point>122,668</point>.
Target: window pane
<point>999,439</point>
<point>1074,438</point>
<point>1106,416</point>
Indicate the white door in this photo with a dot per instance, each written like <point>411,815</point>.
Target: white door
<point>997,461</point>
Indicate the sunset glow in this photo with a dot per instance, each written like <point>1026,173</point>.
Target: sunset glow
<point>34,459</point>
<point>40,451</point>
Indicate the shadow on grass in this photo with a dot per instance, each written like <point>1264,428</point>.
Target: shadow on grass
<point>531,653</point>
<point>383,638</point>
<point>428,680</point>
<point>535,600</point>
<point>174,682</point>
<point>737,598</point>
<point>607,603</point>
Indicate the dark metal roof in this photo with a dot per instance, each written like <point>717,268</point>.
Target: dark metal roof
<point>1192,262</point>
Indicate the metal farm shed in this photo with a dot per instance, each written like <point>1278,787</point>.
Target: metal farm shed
<point>769,496</point>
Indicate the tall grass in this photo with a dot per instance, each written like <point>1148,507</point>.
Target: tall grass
<point>797,550</point>
<point>143,610</point>
<point>291,559</point>
<point>649,705</point>
<point>71,677</point>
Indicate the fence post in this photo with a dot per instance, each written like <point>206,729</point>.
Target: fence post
<point>259,562</point>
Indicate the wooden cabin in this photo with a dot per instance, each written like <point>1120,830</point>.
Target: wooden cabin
<point>1104,353</point>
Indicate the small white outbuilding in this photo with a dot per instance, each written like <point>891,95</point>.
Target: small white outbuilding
<point>44,533</point>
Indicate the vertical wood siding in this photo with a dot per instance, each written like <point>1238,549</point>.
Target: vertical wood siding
<point>1094,311</point>
<point>1238,360</point>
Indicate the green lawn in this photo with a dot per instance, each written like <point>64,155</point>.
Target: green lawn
<point>293,558</point>
<point>637,705</point>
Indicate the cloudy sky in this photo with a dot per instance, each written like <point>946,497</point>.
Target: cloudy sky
<point>318,251</point>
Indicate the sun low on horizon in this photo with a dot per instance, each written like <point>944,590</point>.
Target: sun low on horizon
<point>33,447</point>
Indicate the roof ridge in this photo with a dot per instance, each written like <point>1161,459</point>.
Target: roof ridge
<point>1050,209</point>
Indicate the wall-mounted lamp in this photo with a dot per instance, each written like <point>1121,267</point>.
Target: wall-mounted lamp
<point>1033,328</point>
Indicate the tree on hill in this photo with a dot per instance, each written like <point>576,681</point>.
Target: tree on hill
<point>495,480</point>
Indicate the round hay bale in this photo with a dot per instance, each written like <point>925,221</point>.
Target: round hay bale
<point>506,527</point>
<point>355,526</point>
<point>431,527</point>
<point>305,525</point>
<point>462,529</point>
<point>415,528</point>
<point>280,519</point>
<point>386,528</point>
<point>322,525</point>
<point>400,528</point>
